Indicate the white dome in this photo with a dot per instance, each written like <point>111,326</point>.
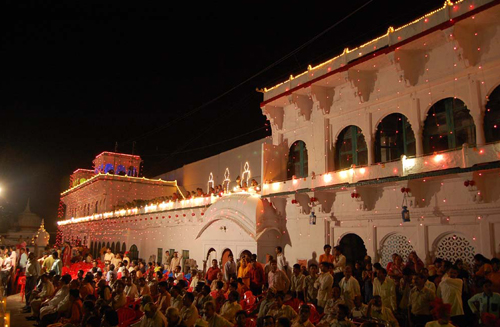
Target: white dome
<point>42,237</point>
<point>28,220</point>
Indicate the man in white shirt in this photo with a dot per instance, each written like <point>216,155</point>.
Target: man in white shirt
<point>324,285</point>
<point>297,282</point>
<point>338,265</point>
<point>178,275</point>
<point>450,291</point>
<point>57,265</point>
<point>280,259</point>
<point>175,261</point>
<point>349,287</point>
<point>130,288</point>
<point>488,301</point>
<point>50,305</point>
<point>386,288</point>
<point>23,259</point>
<point>32,273</point>
<point>229,268</point>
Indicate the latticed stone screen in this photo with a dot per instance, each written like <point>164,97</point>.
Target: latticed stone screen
<point>396,243</point>
<point>453,247</point>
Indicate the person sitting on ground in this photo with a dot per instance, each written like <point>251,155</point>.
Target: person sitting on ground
<point>302,319</point>
<point>359,309</point>
<point>76,310</point>
<point>164,298</point>
<point>143,287</point>
<point>229,309</point>
<point>153,317</point>
<point>332,307</point>
<point>376,309</point>
<point>341,320</point>
<point>279,309</point>
<point>213,319</point>
<point>131,289</point>
<point>39,297</point>
<point>203,297</point>
<point>188,313</point>
<point>118,297</point>
<point>174,318</point>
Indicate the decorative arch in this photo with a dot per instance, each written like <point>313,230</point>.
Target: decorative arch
<point>225,257</point>
<point>297,164</point>
<point>353,247</point>
<point>124,248</point>
<point>267,229</point>
<point>109,168</point>
<point>394,243</point>
<point>134,252</point>
<point>108,246</point>
<point>121,170</point>
<point>448,125</point>
<point>118,247</point>
<point>394,137</point>
<point>113,247</point>
<point>452,246</point>
<point>350,148</point>
<point>246,252</point>
<point>492,117</point>
<point>225,217</point>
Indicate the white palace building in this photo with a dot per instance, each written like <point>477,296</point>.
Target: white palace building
<point>393,146</point>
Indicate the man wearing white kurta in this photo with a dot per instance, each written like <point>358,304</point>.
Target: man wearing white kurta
<point>349,287</point>
<point>386,288</point>
<point>450,291</point>
<point>324,284</point>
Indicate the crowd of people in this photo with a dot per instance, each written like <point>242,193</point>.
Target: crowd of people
<point>247,293</point>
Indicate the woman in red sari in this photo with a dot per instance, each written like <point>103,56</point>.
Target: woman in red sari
<point>66,254</point>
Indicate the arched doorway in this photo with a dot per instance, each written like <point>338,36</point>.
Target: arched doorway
<point>134,252</point>
<point>225,257</point>
<point>118,247</point>
<point>353,247</point>
<point>113,247</point>
<point>124,248</point>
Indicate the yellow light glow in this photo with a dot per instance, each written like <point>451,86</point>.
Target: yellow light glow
<point>438,158</point>
<point>294,181</point>
<point>362,171</point>
<point>343,174</point>
<point>276,186</point>
<point>327,178</point>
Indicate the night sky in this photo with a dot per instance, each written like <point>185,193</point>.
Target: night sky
<point>77,77</point>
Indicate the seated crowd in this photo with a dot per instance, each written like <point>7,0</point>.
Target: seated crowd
<point>248,293</point>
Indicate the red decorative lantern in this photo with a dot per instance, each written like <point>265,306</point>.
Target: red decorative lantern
<point>403,190</point>
<point>472,183</point>
<point>466,183</point>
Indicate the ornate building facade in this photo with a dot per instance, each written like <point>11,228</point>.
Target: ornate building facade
<point>389,147</point>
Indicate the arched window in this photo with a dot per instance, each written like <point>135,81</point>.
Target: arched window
<point>124,247</point>
<point>351,148</point>
<point>98,252</point>
<point>113,247</point>
<point>297,160</point>
<point>492,117</point>
<point>394,138</point>
<point>121,170</point>
<point>118,247</point>
<point>108,246</point>
<point>109,169</point>
<point>448,125</point>
<point>134,253</point>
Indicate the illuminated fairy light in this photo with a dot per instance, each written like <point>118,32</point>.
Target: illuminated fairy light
<point>226,181</point>
<point>211,183</point>
<point>327,178</point>
<point>425,19</point>
<point>246,172</point>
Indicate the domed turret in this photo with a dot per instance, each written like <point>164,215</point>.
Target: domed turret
<point>28,220</point>
<point>42,237</point>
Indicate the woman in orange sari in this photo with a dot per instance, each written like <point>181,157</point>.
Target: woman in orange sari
<point>243,272</point>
